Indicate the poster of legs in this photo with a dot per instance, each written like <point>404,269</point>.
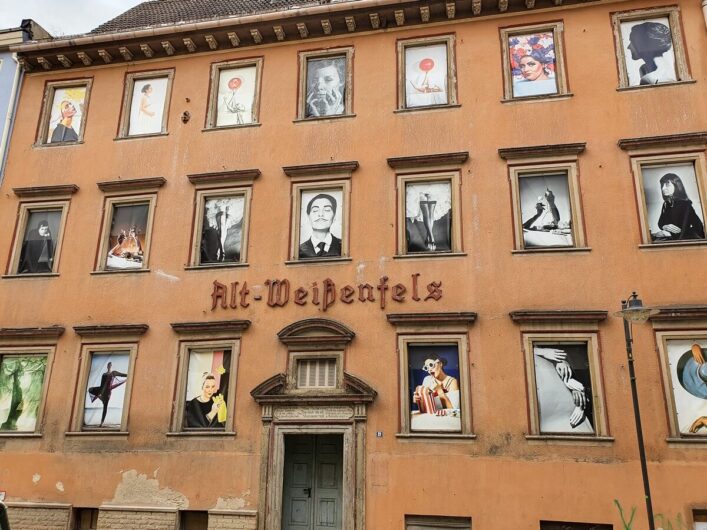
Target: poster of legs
<point>533,67</point>
<point>563,384</point>
<point>648,51</point>
<point>208,376</point>
<point>21,387</point>
<point>428,217</point>
<point>126,240</point>
<point>39,242</point>
<point>435,393</point>
<point>105,390</point>
<point>546,211</point>
<point>426,75</point>
<point>66,117</point>
<point>147,106</point>
<point>687,361</point>
<point>236,96</point>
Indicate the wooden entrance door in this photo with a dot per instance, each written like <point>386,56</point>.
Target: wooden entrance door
<point>312,483</point>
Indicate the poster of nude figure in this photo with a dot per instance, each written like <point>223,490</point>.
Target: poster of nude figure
<point>104,396</point>
<point>428,217</point>
<point>21,387</point>
<point>207,387</point>
<point>687,362</point>
<point>426,75</point>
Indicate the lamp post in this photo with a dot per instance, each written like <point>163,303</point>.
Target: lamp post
<point>632,310</point>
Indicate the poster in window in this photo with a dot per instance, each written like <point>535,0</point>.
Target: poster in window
<point>105,390</point>
<point>147,106</point>
<point>320,223</point>
<point>39,242</point>
<point>426,75</point>
<point>222,230</point>
<point>688,379</point>
<point>66,117</point>
<point>236,96</point>
<point>326,87</point>
<point>207,388</point>
<point>21,387</point>
<point>435,393</point>
<point>533,64</point>
<point>546,210</point>
<point>648,51</point>
<point>126,240</point>
<point>428,216</point>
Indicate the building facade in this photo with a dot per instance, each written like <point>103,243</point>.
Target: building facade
<point>354,265</point>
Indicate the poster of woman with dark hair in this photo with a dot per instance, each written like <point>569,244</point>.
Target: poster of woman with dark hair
<point>532,59</point>
<point>648,51</point>
<point>207,389</point>
<point>326,87</point>
<point>39,242</point>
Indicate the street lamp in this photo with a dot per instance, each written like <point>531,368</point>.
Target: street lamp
<point>632,310</point>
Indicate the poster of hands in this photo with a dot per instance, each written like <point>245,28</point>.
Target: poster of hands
<point>326,87</point>
<point>687,361</point>
<point>426,75</point>
<point>546,211</point>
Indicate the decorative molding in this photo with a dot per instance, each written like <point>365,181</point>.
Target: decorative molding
<point>422,161</point>
<point>538,151</point>
<point>51,332</point>
<point>314,333</point>
<point>132,184</point>
<point>303,31</point>
<point>168,47</point>
<point>127,54</point>
<point>44,63</point>
<point>111,329</point>
<point>476,7</point>
<point>677,313</point>
<point>274,391</point>
<point>399,17</point>
<point>375,20</point>
<point>669,140</point>
<point>64,60</point>
<point>147,50</point>
<point>233,38</point>
<point>502,6</point>
<point>211,41</point>
<point>524,316</point>
<point>218,326</point>
<point>107,57</point>
<point>279,32</point>
<point>46,191</point>
<point>84,58</point>
<point>425,13</point>
<point>326,26</point>
<point>321,169</point>
<point>236,176</point>
<point>350,24</point>
<point>189,44</point>
<point>529,4</point>
<point>257,36</point>
<point>432,319</point>
<point>451,9</point>
<point>26,66</point>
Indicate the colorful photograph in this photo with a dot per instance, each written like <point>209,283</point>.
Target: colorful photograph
<point>673,203</point>
<point>546,210</point>
<point>428,217</point>
<point>433,379</point>
<point>105,390</point>
<point>564,388</point>
<point>326,87</point>
<point>126,240</point>
<point>648,51</point>
<point>222,230</point>
<point>533,65</point>
<point>147,106</point>
<point>320,223</point>
<point>236,96</point>
<point>39,242</point>
<point>687,362</point>
<point>66,117</point>
<point>207,389</point>
<point>21,387</point>
<point>426,75</point>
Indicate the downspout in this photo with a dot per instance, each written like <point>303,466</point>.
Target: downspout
<point>10,118</point>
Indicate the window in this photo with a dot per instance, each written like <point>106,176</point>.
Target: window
<point>235,93</point>
<point>85,518</point>
<point>700,519</point>
<point>326,84</point>
<point>64,111</point>
<point>146,103</point>
<point>315,370</point>
<point>533,61</point>
<point>24,373</point>
<point>554,525</point>
<point>649,47</point>
<point>427,72</point>
<point>193,520</point>
<point>436,522</point>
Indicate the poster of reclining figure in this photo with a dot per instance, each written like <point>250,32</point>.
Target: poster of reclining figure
<point>105,390</point>
<point>428,217</point>
<point>546,210</point>
<point>21,387</point>
<point>126,240</point>
<point>687,362</point>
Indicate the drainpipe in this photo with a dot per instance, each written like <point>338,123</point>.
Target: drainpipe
<point>10,118</point>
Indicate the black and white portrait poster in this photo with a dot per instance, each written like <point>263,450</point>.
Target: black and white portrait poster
<point>325,87</point>
<point>320,231</point>
<point>426,75</point>
<point>236,96</point>
<point>126,240</point>
<point>39,242</point>
<point>428,217</point>
<point>546,210</point>
<point>222,230</point>
<point>648,51</point>
<point>673,203</point>
<point>687,361</point>
<point>564,388</point>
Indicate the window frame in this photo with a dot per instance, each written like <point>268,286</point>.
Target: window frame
<point>25,209</point>
<point>185,347</point>
<point>26,351</point>
<point>212,107</point>
<point>404,340</point>
<point>50,89</point>
<point>557,30</point>
<point>110,203</point>
<point>130,79</point>
<point>591,339</point>
<point>303,58</point>
<point>295,356</point>
<point>682,72</point>
<point>435,522</point>
<point>421,42</point>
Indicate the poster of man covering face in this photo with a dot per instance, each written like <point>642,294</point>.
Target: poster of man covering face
<point>428,217</point>
<point>21,387</point>
<point>222,230</point>
<point>105,390</point>
<point>66,117</point>
<point>320,223</point>
<point>207,389</point>
<point>39,242</point>
<point>687,361</point>
<point>326,87</point>
<point>426,75</point>
<point>236,96</point>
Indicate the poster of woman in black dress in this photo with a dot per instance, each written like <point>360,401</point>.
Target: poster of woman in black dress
<point>39,242</point>
<point>207,389</point>
<point>105,392</point>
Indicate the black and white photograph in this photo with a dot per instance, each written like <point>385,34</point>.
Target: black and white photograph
<point>426,75</point>
<point>687,361</point>
<point>546,210</point>
<point>126,239</point>
<point>428,217</point>
<point>325,87</point>
<point>673,205</point>
<point>320,232</point>
<point>648,51</point>
<point>222,230</point>
<point>563,386</point>
<point>39,242</point>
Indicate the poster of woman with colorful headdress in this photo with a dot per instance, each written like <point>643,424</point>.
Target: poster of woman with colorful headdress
<point>533,66</point>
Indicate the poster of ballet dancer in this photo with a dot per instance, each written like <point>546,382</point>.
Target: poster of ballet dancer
<point>67,115</point>
<point>148,105</point>
<point>428,216</point>
<point>208,375</point>
<point>426,75</point>
<point>563,385</point>
<point>648,52</point>
<point>320,223</point>
<point>126,239</point>
<point>687,363</point>
<point>235,99</point>
<point>105,390</point>
<point>533,64</point>
<point>546,210</point>
<point>222,230</point>
<point>21,390</point>
<point>435,392</point>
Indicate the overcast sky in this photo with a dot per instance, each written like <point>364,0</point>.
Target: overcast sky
<point>62,17</point>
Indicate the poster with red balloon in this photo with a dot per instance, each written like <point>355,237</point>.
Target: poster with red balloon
<point>236,96</point>
<point>426,75</point>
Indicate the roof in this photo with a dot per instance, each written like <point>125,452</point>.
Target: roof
<point>171,12</point>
